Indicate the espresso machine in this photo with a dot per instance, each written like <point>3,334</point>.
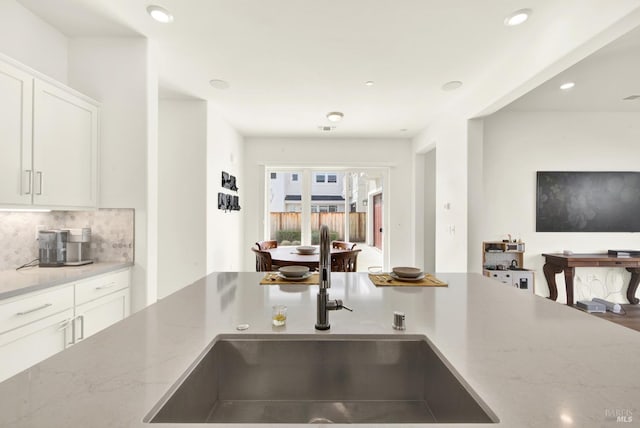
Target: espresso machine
<point>64,247</point>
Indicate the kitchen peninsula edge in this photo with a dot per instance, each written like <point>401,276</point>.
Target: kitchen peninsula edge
<point>533,362</point>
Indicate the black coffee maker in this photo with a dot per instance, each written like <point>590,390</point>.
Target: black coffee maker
<point>53,247</point>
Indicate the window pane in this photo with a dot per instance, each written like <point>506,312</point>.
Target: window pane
<point>328,197</point>
<point>294,177</point>
<point>285,209</point>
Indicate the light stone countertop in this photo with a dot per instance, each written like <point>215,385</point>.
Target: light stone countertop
<point>534,362</point>
<point>16,282</point>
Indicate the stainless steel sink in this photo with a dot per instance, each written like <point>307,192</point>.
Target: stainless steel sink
<point>320,379</point>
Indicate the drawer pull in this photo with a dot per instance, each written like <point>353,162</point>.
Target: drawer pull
<point>109,285</point>
<point>46,305</point>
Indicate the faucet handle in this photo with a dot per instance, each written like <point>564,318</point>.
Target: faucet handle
<point>336,304</point>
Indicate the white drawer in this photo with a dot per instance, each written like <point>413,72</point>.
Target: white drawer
<point>21,311</point>
<point>102,285</point>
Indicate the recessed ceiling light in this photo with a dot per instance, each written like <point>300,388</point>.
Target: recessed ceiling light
<point>369,83</point>
<point>518,17</point>
<point>160,14</point>
<point>335,116</point>
<point>451,86</point>
<point>219,84</point>
<point>567,85</point>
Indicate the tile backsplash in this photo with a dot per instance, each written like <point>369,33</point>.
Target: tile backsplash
<point>112,234</point>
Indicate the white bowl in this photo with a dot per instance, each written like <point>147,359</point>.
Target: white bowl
<point>294,271</point>
<point>305,249</point>
<point>407,272</point>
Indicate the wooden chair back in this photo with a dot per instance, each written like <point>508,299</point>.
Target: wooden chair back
<point>343,245</point>
<point>345,261</point>
<point>265,245</point>
<point>263,260</point>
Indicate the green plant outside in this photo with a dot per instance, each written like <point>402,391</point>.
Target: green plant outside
<point>295,235</point>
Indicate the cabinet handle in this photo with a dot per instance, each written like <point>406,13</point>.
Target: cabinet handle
<point>30,188</point>
<point>63,326</point>
<point>81,318</point>
<point>46,305</point>
<point>39,174</point>
<point>109,285</point>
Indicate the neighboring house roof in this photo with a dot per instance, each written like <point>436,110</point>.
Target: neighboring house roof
<point>315,198</point>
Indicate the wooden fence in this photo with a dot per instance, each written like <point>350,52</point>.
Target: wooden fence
<point>335,221</point>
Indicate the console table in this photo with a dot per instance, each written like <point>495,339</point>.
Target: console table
<point>558,263</point>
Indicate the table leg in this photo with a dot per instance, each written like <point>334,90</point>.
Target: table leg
<point>569,273</point>
<point>550,270</point>
<point>633,285</point>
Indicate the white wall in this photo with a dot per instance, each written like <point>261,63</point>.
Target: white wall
<point>224,229</point>
<point>516,145</point>
<point>115,71</point>
<point>31,41</point>
<point>182,193</point>
<point>396,154</point>
<point>449,135</point>
<point>429,210</point>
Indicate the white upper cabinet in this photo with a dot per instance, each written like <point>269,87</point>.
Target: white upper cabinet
<point>65,142</point>
<point>48,141</point>
<point>16,93</point>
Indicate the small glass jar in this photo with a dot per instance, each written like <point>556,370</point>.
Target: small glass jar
<point>279,315</point>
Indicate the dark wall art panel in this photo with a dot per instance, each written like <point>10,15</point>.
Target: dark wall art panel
<point>588,201</point>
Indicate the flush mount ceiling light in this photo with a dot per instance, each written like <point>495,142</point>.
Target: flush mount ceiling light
<point>335,116</point>
<point>518,17</point>
<point>451,86</point>
<point>568,85</point>
<point>219,84</point>
<point>160,14</point>
<point>369,83</point>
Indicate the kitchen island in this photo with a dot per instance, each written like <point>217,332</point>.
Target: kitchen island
<point>533,362</point>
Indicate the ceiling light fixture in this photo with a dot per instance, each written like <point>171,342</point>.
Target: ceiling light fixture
<point>369,83</point>
<point>219,84</point>
<point>335,116</point>
<point>518,17</point>
<point>452,85</point>
<point>568,85</point>
<point>160,14</point>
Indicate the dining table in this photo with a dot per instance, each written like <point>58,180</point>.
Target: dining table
<point>288,256</point>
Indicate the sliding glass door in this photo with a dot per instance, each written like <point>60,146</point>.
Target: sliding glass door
<point>299,200</point>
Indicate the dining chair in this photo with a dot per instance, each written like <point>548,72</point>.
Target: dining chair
<point>263,260</point>
<point>343,245</point>
<point>265,245</point>
<point>345,261</point>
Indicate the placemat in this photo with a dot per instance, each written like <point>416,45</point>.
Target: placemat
<point>385,280</point>
<point>273,278</point>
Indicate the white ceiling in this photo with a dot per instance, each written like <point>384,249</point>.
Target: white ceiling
<point>602,80</point>
<point>289,62</point>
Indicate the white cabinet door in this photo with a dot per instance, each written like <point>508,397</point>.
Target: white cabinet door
<point>28,345</point>
<point>65,144</point>
<point>16,174</point>
<point>99,314</point>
